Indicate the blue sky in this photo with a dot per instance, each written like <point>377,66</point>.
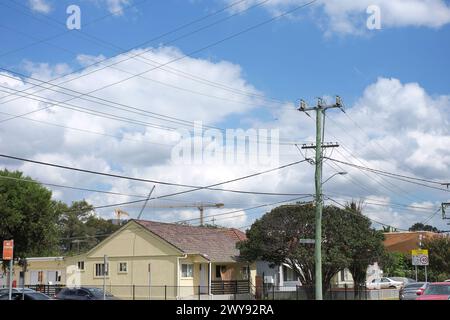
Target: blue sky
<point>305,55</point>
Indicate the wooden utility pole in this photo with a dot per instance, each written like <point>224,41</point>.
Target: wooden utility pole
<point>320,115</point>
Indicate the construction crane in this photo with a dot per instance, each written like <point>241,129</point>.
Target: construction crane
<point>200,206</point>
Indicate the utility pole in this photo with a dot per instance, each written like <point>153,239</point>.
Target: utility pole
<point>320,114</point>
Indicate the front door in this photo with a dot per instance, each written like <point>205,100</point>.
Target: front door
<point>203,278</point>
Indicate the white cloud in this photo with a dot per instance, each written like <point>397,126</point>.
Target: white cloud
<point>410,124</point>
<point>349,16</point>
<point>41,6</point>
<point>114,6</point>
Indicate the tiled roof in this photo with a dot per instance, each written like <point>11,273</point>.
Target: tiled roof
<point>405,241</point>
<point>215,244</point>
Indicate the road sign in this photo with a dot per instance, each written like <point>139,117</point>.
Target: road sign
<point>8,249</point>
<point>307,241</point>
<point>420,257</point>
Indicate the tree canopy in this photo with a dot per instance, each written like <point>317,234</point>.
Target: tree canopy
<point>41,226</point>
<point>28,215</point>
<point>423,227</point>
<point>276,238</point>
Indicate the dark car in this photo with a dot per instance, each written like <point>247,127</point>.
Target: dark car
<point>27,295</point>
<point>409,291</point>
<point>83,293</point>
<point>15,290</point>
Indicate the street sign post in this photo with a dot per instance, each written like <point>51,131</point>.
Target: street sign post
<point>420,258</point>
<point>8,255</point>
<point>307,241</point>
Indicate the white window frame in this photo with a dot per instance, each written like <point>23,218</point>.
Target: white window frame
<point>188,266</point>
<point>119,265</point>
<point>101,276</point>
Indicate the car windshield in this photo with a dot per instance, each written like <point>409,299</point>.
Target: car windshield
<point>96,292</point>
<point>438,289</point>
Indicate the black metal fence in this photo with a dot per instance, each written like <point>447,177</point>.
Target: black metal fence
<point>218,290</point>
<point>345,292</point>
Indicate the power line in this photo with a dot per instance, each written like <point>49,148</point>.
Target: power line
<point>194,78</point>
<point>246,209</point>
<point>195,51</point>
<point>360,214</point>
<point>102,114</point>
<point>394,175</point>
<point>252,208</point>
<point>195,188</point>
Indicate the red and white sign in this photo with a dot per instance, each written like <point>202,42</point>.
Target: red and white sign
<point>8,249</point>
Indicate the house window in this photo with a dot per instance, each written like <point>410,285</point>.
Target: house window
<point>245,273</point>
<point>289,274</point>
<point>100,270</point>
<point>123,267</point>
<point>220,270</point>
<point>81,265</point>
<point>187,270</point>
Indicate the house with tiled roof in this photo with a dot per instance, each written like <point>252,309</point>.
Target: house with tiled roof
<point>155,260</point>
<point>406,241</point>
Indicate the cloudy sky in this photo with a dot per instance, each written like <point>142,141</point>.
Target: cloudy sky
<point>122,95</point>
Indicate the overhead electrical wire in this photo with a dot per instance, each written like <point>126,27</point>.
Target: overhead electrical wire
<point>140,55</point>
<point>193,52</point>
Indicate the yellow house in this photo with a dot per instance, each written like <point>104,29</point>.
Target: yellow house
<point>154,260</point>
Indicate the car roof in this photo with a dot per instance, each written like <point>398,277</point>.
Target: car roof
<point>441,283</point>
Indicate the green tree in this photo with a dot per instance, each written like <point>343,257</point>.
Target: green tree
<point>397,264</point>
<point>276,238</point>
<point>80,228</point>
<point>439,257</point>
<point>422,227</point>
<point>28,215</point>
<point>365,245</point>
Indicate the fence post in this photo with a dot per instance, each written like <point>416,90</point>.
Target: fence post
<point>296,291</point>
<point>165,292</point>
<point>273,292</point>
<point>345,286</point>
<point>235,289</point>
<point>134,291</point>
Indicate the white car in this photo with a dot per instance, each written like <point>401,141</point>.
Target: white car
<point>384,283</point>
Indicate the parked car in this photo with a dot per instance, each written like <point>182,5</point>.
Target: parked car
<point>435,291</point>
<point>384,283</point>
<point>26,295</point>
<point>83,293</point>
<point>409,291</point>
<point>15,290</point>
<point>404,280</point>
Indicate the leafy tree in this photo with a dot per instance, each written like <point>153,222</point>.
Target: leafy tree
<point>80,228</point>
<point>439,256</point>
<point>365,245</point>
<point>397,264</point>
<point>422,227</point>
<point>28,215</point>
<point>276,238</point>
